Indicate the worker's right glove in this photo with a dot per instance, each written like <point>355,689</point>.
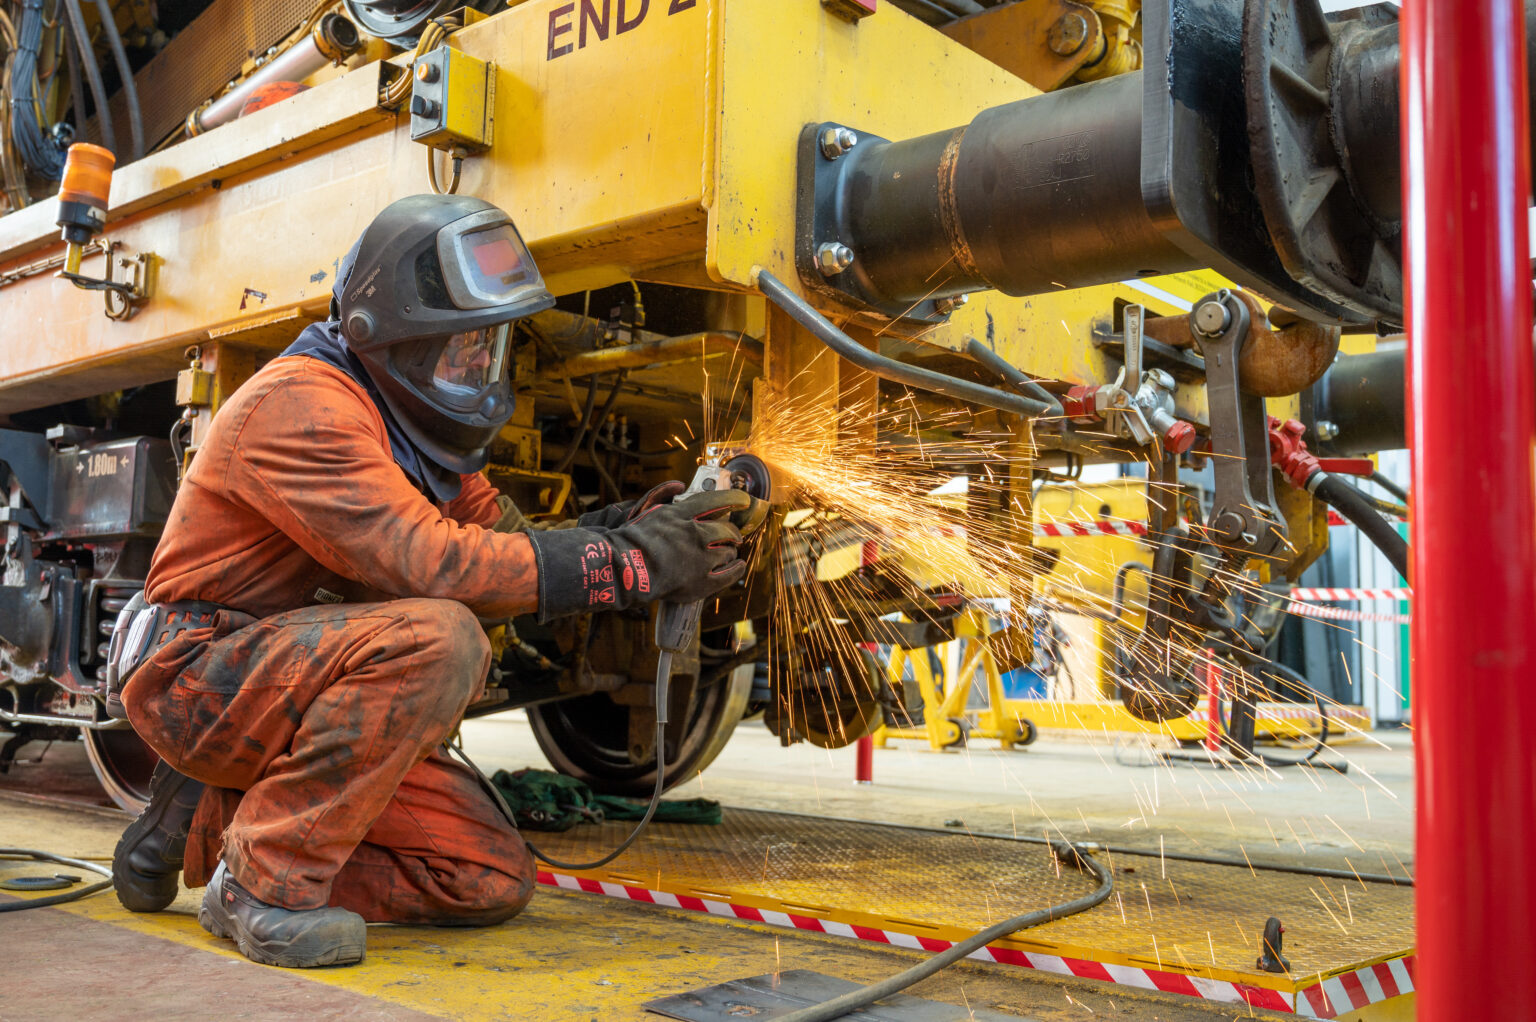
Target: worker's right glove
<point>682,551</point>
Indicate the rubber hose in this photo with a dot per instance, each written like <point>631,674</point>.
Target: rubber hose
<point>837,1007</point>
<point>1352,504</point>
<point>130,88</point>
<point>54,899</point>
<point>92,73</point>
<point>1386,483</point>
<point>581,430</point>
<point>76,84</point>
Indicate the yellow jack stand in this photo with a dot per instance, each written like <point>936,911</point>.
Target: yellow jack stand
<point>945,725</point>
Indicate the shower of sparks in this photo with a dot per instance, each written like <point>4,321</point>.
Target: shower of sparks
<point>906,513</point>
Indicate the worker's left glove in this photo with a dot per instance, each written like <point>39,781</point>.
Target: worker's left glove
<point>615,515</point>
<point>683,551</point>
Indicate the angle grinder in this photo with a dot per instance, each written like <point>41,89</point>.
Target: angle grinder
<point>678,623</point>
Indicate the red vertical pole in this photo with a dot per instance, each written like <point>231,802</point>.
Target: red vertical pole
<point>864,769</point>
<point>1466,183</point>
<point>864,766</point>
<point>1212,703</point>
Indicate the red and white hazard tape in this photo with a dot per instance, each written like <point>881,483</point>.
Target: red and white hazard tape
<point>1332,595</point>
<point>1335,991</point>
<point>1340,614</point>
<point>1122,527</point>
<point>1352,991</point>
<point>1100,527</point>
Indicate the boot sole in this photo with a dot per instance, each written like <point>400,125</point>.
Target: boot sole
<point>136,891</point>
<point>308,951</point>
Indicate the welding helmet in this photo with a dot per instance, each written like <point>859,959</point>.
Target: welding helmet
<point>427,306</point>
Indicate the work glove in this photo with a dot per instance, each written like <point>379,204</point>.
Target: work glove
<point>682,551</point>
<point>614,515</point>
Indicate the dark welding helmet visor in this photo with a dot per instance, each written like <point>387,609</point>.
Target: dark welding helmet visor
<point>485,264</point>
<point>428,308</point>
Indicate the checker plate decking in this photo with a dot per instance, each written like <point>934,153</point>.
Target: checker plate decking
<point>1192,918</point>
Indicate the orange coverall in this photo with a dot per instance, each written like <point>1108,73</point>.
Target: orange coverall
<point>315,706</point>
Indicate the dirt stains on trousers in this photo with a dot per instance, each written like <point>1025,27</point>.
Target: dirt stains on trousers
<point>318,732</point>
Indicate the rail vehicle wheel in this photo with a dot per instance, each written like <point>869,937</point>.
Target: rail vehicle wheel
<point>123,764</point>
<point>588,737</point>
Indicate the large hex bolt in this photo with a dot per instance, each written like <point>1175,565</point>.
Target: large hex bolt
<point>833,258</point>
<point>1068,34</point>
<point>944,306</point>
<point>1211,318</point>
<point>836,142</point>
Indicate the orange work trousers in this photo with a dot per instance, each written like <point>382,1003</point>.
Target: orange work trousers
<point>318,732</point>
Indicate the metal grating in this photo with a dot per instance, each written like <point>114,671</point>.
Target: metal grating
<point>201,60</point>
<point>1167,915</point>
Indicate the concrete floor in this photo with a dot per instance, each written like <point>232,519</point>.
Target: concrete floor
<point>579,956</point>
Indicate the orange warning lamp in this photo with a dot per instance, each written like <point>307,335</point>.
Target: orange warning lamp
<point>83,198</point>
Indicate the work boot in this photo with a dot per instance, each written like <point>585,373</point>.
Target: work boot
<point>149,855</point>
<point>272,935</point>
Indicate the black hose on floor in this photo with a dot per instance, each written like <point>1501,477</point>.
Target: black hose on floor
<point>55,899</point>
<point>1070,854</point>
<point>1352,504</point>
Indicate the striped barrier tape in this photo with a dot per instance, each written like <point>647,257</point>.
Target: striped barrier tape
<point>1100,527</point>
<point>1328,595</point>
<point>1121,527</point>
<point>1340,614</point>
<point>1331,993</point>
<point>1352,991</point>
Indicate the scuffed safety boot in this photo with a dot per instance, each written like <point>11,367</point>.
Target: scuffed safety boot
<point>149,855</point>
<point>279,936</point>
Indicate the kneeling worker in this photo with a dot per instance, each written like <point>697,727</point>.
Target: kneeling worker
<point>313,632</point>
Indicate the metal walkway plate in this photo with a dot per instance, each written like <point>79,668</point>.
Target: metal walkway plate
<point>1180,927</point>
<point>779,993</point>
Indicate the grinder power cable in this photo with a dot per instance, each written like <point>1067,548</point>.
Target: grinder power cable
<point>677,624</point>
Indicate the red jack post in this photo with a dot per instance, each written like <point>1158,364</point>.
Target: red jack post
<point>1466,186</point>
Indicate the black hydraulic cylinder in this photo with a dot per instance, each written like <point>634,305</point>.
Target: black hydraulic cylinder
<point>1030,196</point>
<point>1261,140</point>
<point>1364,399</point>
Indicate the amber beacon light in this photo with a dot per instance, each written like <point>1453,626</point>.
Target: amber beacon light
<point>82,215</point>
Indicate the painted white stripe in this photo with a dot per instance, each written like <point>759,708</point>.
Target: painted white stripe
<point>568,882</point>
<point>613,890</point>
<point>1339,1000</point>
<point>837,929</point>
<point>902,940</point>
<point>718,908</point>
<point>776,918</point>
<point>1048,963</point>
<point>1215,989</point>
<point>1153,291</point>
<point>1129,976</point>
<point>663,898</point>
<point>1372,985</point>
<point>1400,974</point>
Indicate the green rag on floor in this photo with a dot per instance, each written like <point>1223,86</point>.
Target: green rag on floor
<point>545,800</point>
